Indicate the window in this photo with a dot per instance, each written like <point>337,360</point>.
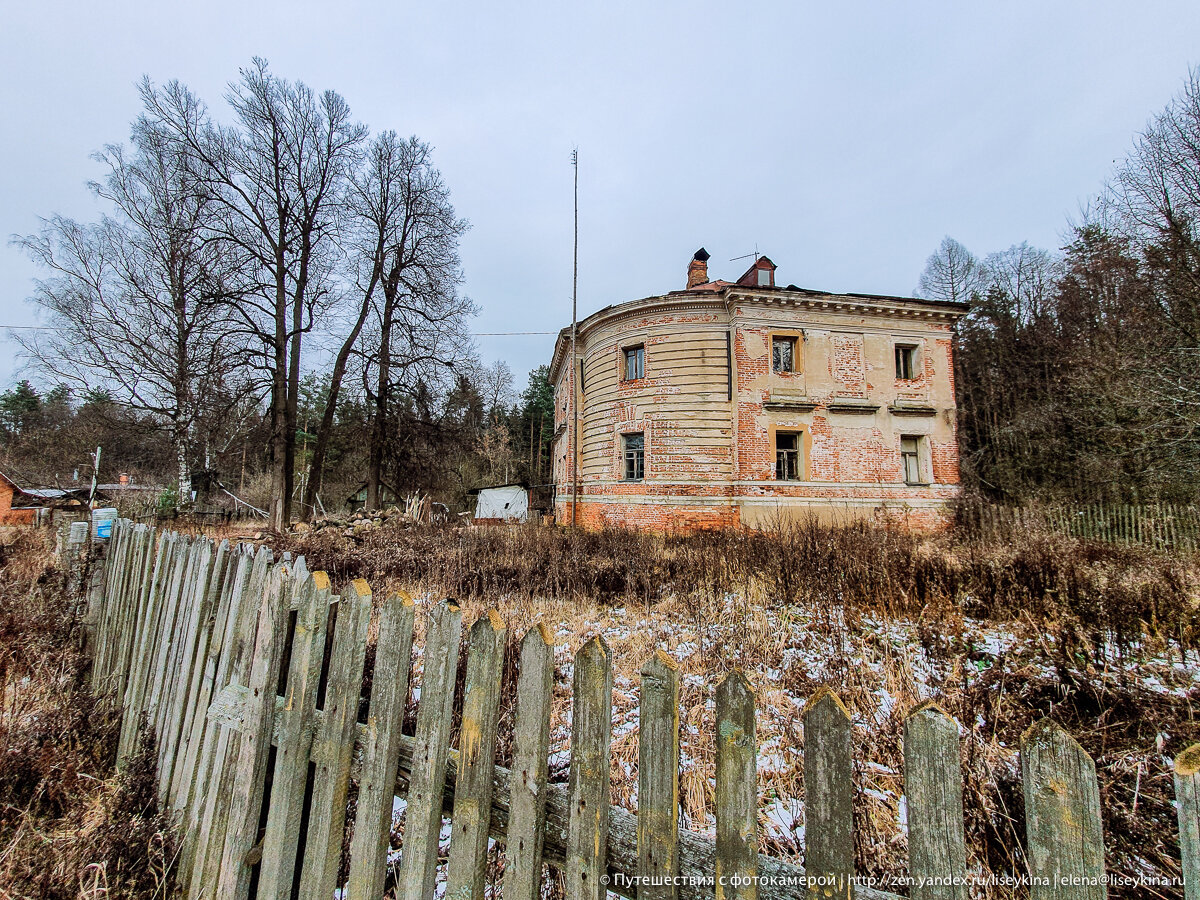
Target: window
<point>787,456</point>
<point>783,354</point>
<point>910,459</point>
<point>635,363</point>
<point>906,362</point>
<point>764,277</point>
<point>635,456</point>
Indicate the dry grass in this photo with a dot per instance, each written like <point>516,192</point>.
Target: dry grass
<point>1101,638</point>
<point>69,826</point>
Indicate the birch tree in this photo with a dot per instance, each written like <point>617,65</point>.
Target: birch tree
<point>136,301</point>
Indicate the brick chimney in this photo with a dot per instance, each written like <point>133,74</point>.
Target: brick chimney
<point>698,269</point>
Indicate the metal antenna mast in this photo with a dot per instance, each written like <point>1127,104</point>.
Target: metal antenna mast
<point>576,392</point>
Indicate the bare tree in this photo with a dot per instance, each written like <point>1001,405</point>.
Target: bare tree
<point>951,273</point>
<point>135,301</point>
<point>417,328</point>
<point>1025,276</point>
<point>278,180</point>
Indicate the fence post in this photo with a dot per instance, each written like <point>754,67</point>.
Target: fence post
<point>290,776</point>
<point>334,746</point>
<point>1187,801</point>
<point>467,865</point>
<point>250,767</point>
<point>737,790</point>
<point>531,749</point>
<point>590,777</point>
<point>377,780</point>
<point>423,823</point>
<point>937,851</point>
<point>658,779</point>
<point>828,795</point>
<point>1063,829</point>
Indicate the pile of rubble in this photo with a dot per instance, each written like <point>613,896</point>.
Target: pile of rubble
<point>417,511</point>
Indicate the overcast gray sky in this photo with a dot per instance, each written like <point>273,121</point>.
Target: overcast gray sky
<point>844,140</point>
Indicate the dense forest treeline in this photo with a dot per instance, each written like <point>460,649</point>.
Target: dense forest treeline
<point>1078,372</point>
<point>276,300</point>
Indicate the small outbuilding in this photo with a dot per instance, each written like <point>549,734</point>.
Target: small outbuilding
<point>502,503</point>
<point>29,505</point>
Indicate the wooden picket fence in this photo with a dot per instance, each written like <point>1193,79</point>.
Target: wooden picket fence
<point>250,672</point>
<point>1173,527</point>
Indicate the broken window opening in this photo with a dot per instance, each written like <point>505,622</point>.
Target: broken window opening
<point>787,456</point>
<point>906,362</point>
<point>783,354</point>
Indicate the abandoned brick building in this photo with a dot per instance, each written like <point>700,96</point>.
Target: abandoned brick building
<point>732,403</point>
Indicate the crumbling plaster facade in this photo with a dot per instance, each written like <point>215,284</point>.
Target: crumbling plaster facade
<point>711,408</point>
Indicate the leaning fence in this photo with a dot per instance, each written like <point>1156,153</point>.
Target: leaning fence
<point>249,670</point>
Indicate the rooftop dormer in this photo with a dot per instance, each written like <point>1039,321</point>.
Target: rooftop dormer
<point>760,274</point>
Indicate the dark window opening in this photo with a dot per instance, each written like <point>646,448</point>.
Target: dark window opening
<point>906,362</point>
<point>783,354</point>
<point>787,456</point>
<point>635,363</point>
<point>635,456</point>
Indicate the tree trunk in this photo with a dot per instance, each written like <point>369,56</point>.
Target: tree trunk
<point>379,422</point>
<point>316,466</point>
<point>282,441</point>
<point>183,470</point>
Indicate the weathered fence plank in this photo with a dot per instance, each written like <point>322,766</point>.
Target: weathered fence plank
<point>167,633</point>
<point>736,791</point>
<point>147,640</point>
<point>196,801</point>
<point>828,794</point>
<point>205,867</point>
<point>590,774</point>
<point>334,744</point>
<point>1187,802</point>
<point>658,779</point>
<point>290,776</point>
<point>377,776</point>
<point>467,864</point>
<point>141,551</point>
<point>250,766</point>
<point>531,751</point>
<point>423,819</point>
<point>182,767</point>
<point>937,850</point>
<point>200,693</point>
<point>197,617</point>
<point>1063,831</point>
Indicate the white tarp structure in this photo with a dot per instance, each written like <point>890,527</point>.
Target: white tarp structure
<point>510,502</point>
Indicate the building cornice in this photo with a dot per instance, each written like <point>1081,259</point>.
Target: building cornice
<point>725,299</point>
